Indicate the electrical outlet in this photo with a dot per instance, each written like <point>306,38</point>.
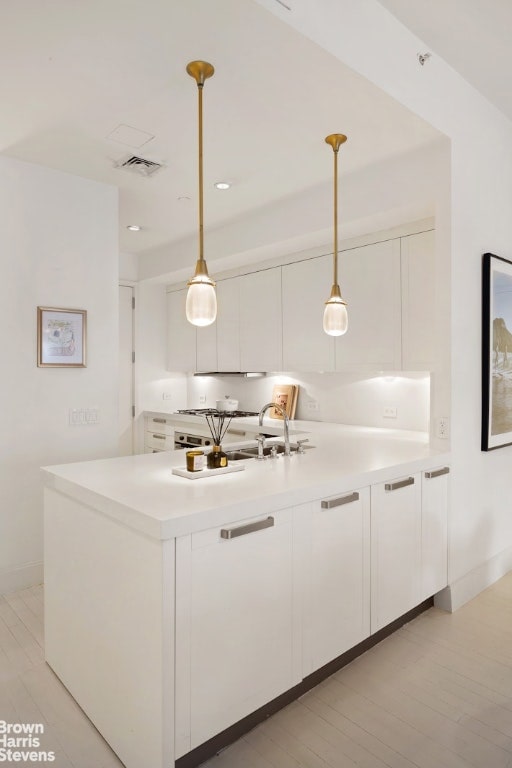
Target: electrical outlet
<point>80,417</point>
<point>312,405</point>
<point>443,428</point>
<point>166,395</point>
<point>202,399</point>
<point>390,412</point>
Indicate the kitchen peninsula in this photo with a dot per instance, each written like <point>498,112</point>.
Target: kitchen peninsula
<point>174,609</point>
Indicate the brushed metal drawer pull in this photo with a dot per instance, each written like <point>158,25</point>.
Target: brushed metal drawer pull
<point>236,432</point>
<point>437,472</point>
<point>159,437</point>
<point>399,484</point>
<point>330,503</point>
<point>242,530</point>
<point>160,421</point>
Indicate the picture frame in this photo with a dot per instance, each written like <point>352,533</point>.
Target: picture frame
<point>61,337</point>
<point>496,352</point>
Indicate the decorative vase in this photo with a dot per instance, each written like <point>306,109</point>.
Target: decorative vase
<point>216,458</point>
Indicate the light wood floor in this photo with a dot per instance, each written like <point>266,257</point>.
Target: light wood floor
<point>436,694</point>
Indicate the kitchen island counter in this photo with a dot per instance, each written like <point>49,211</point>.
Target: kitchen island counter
<point>141,492</point>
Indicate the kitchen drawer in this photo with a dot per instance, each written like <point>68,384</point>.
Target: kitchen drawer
<point>159,441</point>
<point>160,425</point>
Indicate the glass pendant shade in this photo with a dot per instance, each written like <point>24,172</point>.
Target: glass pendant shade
<point>335,317</point>
<point>201,306</point>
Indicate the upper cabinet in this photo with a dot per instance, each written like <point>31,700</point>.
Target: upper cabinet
<point>261,330</point>
<point>418,301</point>
<point>306,288</point>
<point>370,284</point>
<point>271,320</point>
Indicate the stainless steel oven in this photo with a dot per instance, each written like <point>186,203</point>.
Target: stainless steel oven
<point>187,440</point>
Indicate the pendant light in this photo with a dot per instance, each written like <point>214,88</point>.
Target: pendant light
<point>201,306</point>
<point>335,313</point>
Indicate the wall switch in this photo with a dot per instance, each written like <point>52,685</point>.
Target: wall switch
<point>443,428</point>
<point>312,405</point>
<point>79,417</point>
<point>202,399</point>
<point>166,396</point>
<point>390,412</point>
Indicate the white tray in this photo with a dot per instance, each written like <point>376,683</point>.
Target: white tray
<point>208,472</point>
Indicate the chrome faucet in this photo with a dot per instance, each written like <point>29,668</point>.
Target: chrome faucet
<point>286,421</point>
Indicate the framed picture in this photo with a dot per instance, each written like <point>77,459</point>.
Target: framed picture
<point>61,337</point>
<point>496,352</point>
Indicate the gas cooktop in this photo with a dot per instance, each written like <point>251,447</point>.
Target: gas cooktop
<point>215,412</point>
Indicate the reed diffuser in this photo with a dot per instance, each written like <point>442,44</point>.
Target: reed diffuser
<point>218,424</point>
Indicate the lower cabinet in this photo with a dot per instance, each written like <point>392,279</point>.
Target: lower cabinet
<point>434,531</point>
<point>236,624</point>
<point>395,548</point>
<point>337,604</point>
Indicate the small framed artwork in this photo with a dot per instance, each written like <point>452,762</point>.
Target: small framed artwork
<point>61,337</point>
<point>496,352</point>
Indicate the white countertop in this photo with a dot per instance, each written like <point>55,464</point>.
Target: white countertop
<point>140,491</point>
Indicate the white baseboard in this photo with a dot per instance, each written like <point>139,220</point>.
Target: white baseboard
<point>21,577</point>
<point>471,584</point>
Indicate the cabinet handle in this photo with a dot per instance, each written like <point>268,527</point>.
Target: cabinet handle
<point>399,484</point>
<point>437,472</point>
<point>159,437</point>
<point>330,503</point>
<point>160,421</point>
<point>241,530</point>
<point>236,432</point>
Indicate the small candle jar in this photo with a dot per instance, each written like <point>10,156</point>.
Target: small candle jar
<point>195,461</point>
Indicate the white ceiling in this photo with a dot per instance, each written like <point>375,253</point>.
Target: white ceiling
<point>473,36</point>
<point>71,72</point>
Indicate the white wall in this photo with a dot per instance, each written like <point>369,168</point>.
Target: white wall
<point>341,398</point>
<point>128,267</point>
<point>51,255</point>
<point>371,41</point>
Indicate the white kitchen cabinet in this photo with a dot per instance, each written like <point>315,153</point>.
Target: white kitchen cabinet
<point>370,283</point>
<point>261,336</point>
<point>236,624</point>
<point>306,288</point>
<point>228,325</point>
<point>337,604</point>
<point>434,531</point>
<point>395,549</point>
<point>181,335</point>
<point>418,301</point>
<point>206,348</point>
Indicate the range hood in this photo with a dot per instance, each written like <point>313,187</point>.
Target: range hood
<point>240,374</point>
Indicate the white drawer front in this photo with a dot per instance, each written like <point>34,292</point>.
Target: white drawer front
<point>160,424</point>
<point>159,441</point>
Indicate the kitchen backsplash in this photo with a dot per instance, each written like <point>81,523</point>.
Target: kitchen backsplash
<point>372,400</point>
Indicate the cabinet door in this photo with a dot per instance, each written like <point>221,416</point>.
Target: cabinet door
<point>370,283</point>
<point>207,348</point>
<point>181,335</point>
<point>228,325</point>
<point>434,531</point>
<point>418,301</point>
<point>261,341</point>
<point>395,548</point>
<point>235,624</point>
<point>306,288</point>
<point>338,606</point>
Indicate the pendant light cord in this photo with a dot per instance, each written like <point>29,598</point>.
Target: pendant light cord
<point>335,257</point>
<point>200,109</point>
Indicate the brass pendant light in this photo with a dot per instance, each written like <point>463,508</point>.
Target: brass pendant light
<point>335,313</point>
<point>201,306</point>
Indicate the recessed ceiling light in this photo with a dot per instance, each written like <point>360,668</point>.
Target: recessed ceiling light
<point>134,227</point>
<point>222,185</point>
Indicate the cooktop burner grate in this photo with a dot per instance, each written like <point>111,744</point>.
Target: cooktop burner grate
<point>215,412</point>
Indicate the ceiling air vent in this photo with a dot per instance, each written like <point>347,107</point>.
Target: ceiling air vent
<point>139,165</point>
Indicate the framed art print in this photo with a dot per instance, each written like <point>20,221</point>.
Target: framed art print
<point>496,352</point>
<point>61,337</point>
